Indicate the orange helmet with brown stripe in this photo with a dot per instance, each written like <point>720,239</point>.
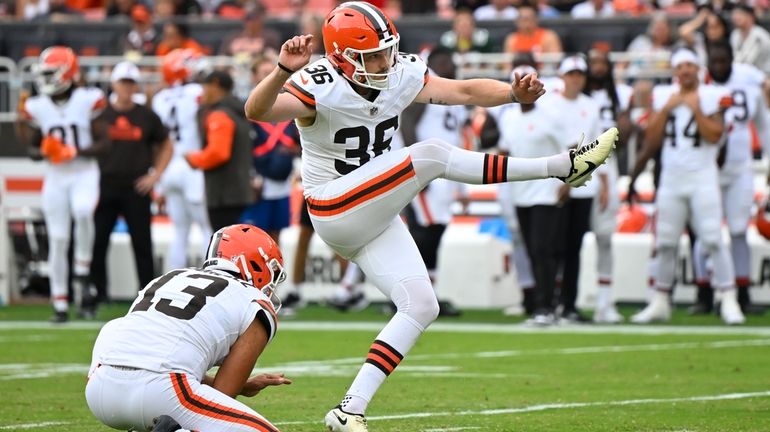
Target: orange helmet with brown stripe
<point>181,65</point>
<point>56,70</point>
<point>255,254</point>
<point>355,32</point>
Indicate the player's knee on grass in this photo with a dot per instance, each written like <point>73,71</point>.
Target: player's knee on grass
<point>430,157</point>
<point>416,299</point>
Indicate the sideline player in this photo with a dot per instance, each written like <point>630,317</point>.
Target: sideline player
<point>347,108</point>
<point>614,101</point>
<point>431,210</point>
<point>153,361</point>
<point>182,186</point>
<point>688,123</point>
<point>735,175</point>
<point>60,120</point>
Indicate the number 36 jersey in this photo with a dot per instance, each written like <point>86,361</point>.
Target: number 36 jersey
<point>683,146</point>
<point>348,130</point>
<point>184,321</point>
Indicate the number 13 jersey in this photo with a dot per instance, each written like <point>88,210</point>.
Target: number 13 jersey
<point>184,321</point>
<point>348,130</point>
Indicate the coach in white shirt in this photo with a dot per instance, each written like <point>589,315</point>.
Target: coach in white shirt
<point>578,113</point>
<point>535,131</point>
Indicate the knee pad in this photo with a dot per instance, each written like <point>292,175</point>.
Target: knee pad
<point>416,299</point>
<point>431,156</point>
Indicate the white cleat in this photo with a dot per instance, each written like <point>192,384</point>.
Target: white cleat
<point>337,420</point>
<point>587,157</point>
<point>608,315</point>
<point>730,310</point>
<point>658,309</point>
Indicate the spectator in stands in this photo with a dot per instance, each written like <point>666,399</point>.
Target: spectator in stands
<point>545,10</point>
<point>142,38</point>
<point>496,10</point>
<point>704,29</point>
<point>750,42</point>
<point>28,10</point>
<point>275,147</point>
<point>58,11</point>
<point>593,9</point>
<point>529,36</point>
<point>655,45</point>
<point>187,8</point>
<point>253,39</point>
<point>175,36</point>
<point>138,153</point>
<point>120,7</point>
<point>164,10</point>
<point>226,154</point>
<point>465,36</point>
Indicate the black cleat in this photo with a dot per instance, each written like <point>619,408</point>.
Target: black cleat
<point>165,423</point>
<point>447,309</point>
<point>59,317</point>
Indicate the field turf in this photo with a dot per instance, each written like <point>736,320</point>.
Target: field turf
<point>481,372</point>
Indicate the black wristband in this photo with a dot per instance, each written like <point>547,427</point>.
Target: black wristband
<point>285,69</point>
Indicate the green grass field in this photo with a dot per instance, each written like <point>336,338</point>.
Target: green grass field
<point>483,372</point>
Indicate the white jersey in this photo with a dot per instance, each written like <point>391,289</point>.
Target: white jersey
<point>433,205</point>
<point>607,116</point>
<point>69,121</point>
<point>748,104</point>
<point>348,130</point>
<point>184,321</point>
<point>579,116</point>
<point>177,108</point>
<point>684,149</point>
<point>531,134</point>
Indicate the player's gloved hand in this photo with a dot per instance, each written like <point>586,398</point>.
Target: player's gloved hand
<point>255,384</point>
<point>50,145</point>
<point>66,154</point>
<point>56,151</point>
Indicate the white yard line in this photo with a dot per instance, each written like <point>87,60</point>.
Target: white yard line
<point>33,425</point>
<point>451,429</point>
<point>557,406</point>
<point>441,327</point>
<point>558,351</point>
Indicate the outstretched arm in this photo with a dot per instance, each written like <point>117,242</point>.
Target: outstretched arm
<point>266,102</point>
<point>481,92</point>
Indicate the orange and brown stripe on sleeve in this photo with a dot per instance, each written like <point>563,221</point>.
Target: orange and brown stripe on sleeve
<point>495,169</point>
<point>384,357</point>
<point>199,405</point>
<point>303,95</point>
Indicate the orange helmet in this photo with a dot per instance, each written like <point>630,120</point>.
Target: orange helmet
<point>253,252</point>
<point>763,219</point>
<point>354,31</point>
<point>56,70</point>
<point>181,65</point>
<point>632,219</point>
